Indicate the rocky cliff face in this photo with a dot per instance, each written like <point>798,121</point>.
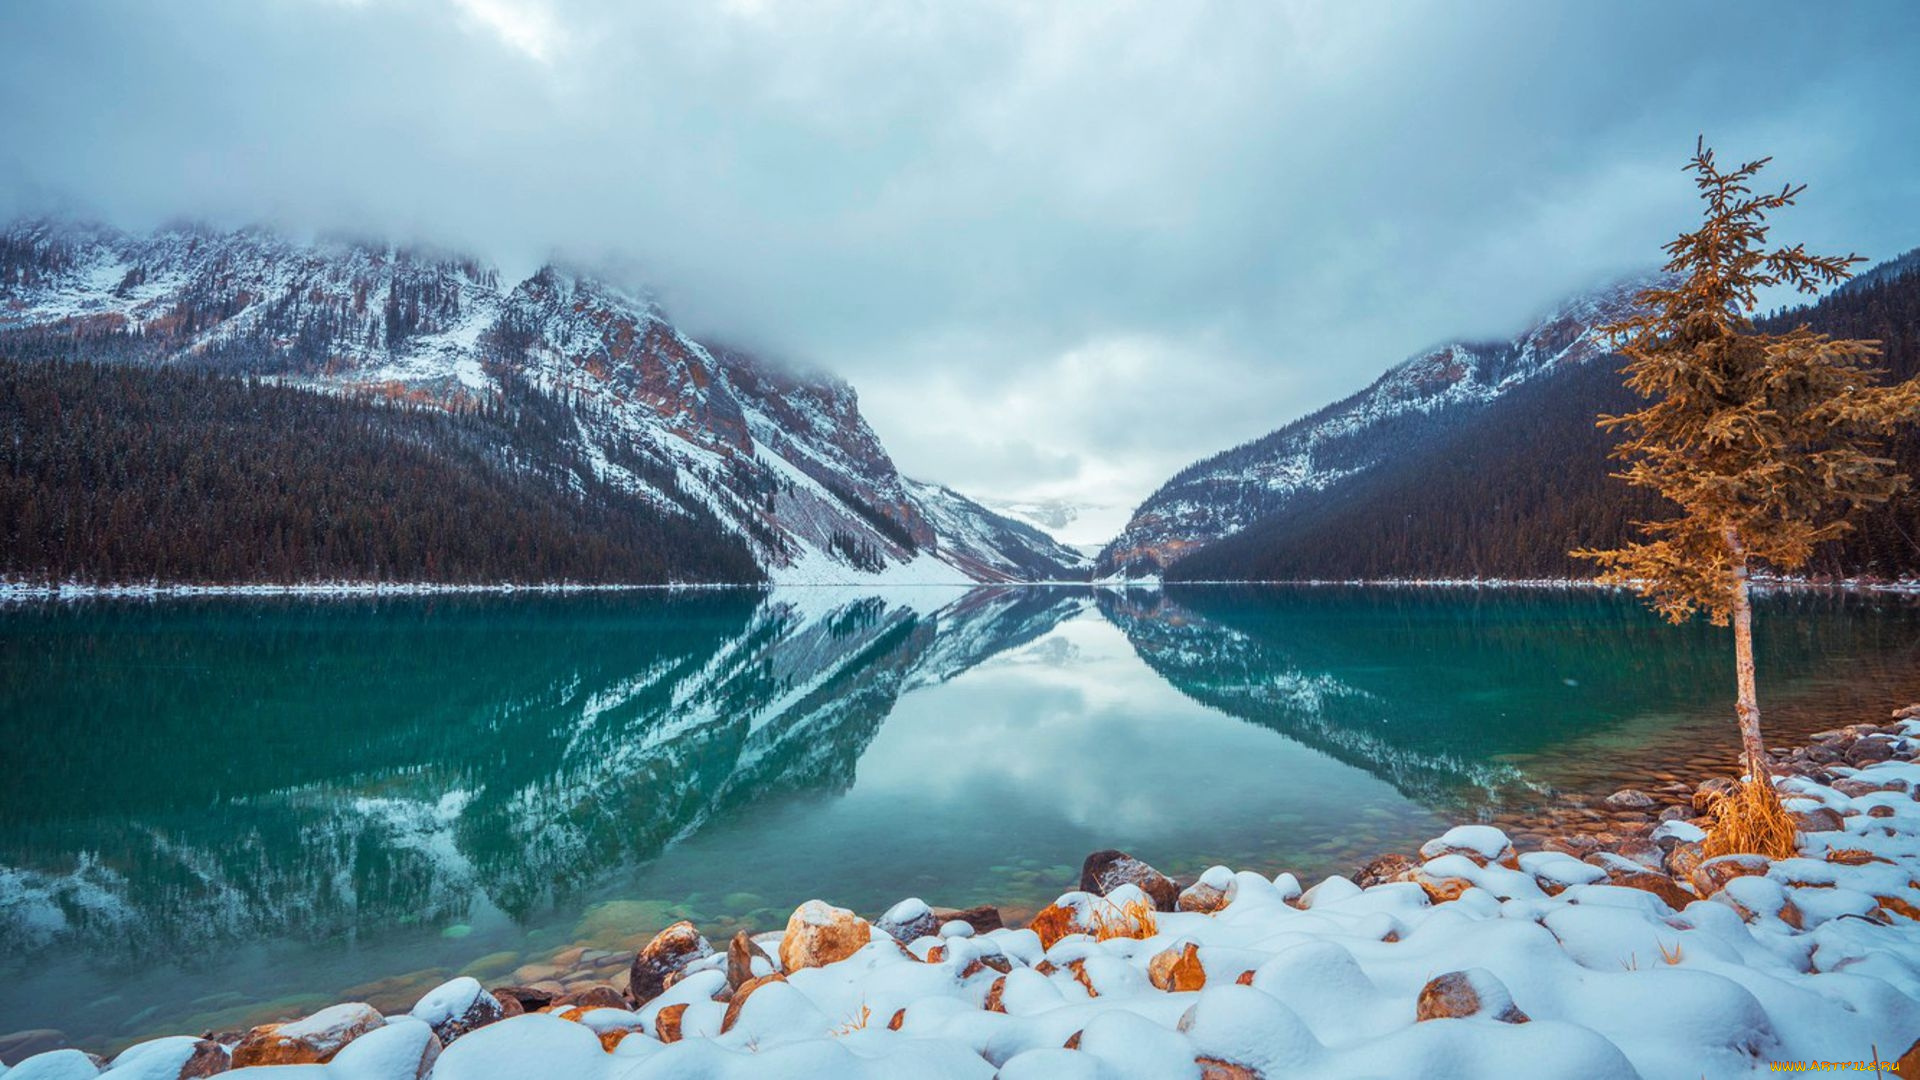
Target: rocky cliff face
<point>1413,402</point>
<point>782,458</point>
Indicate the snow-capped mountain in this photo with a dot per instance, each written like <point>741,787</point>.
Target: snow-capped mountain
<point>990,545</point>
<point>781,458</point>
<point>1413,401</point>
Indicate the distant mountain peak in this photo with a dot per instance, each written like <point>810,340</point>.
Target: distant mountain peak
<point>1225,493</point>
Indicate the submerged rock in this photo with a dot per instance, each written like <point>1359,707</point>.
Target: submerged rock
<point>1631,799</point>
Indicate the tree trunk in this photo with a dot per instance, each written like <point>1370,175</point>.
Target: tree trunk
<point>1748,706</point>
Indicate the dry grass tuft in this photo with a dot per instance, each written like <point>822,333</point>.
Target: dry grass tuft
<point>854,1023</point>
<point>1751,821</point>
<point>1132,919</point>
<point>1674,955</point>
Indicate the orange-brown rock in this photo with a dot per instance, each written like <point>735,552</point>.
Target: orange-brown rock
<point>597,996</point>
<point>529,998</point>
<point>1219,1069</point>
<point>1685,857</point>
<point>1853,857</point>
<point>1440,890</point>
<point>984,919</point>
<point>746,960</point>
<point>1712,875</point>
<point>1177,969</point>
<point>1105,871</point>
<point>1660,885</point>
<point>740,996</point>
<point>1073,1040</point>
<point>1245,979</point>
<point>1079,970</point>
<point>209,1058</point>
<point>1384,869</point>
<point>668,954</point>
<point>819,934</point>
<point>312,1040</point>
<point>1894,905</point>
<point>995,995</point>
<point>1054,922</point>
<point>666,1025</point>
<point>1468,993</point>
<point>899,1018</point>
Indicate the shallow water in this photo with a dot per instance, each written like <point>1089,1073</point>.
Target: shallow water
<point>219,811</point>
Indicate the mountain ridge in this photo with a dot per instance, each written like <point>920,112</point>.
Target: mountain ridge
<point>780,459</point>
<point>1395,414</point>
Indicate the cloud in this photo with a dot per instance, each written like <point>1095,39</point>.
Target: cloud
<point>1061,250</point>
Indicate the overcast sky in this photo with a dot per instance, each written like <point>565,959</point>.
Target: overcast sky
<point>1060,249</point>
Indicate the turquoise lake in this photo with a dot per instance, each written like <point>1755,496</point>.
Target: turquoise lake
<point>221,810</point>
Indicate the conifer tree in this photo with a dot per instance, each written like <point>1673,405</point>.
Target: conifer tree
<point>1765,443</point>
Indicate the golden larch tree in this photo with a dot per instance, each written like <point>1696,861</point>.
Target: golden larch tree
<point>1765,443</point>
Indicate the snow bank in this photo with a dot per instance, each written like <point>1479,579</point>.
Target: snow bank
<point>1474,962</point>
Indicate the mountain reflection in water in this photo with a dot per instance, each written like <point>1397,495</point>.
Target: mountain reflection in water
<point>198,790</point>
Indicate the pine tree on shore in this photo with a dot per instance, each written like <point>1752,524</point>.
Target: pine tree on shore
<point>1765,442</point>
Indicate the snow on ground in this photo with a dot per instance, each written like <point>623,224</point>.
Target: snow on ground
<point>1472,963</point>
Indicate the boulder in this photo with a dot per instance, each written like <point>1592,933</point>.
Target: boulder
<point>1684,858</point>
<point>1642,850</point>
<point>1868,751</point>
<point>666,1024</point>
<point>740,996</point>
<point>1712,875</point>
<point>908,921</point>
<point>668,954</point>
<point>746,961</point>
<point>1482,843</point>
<point>1177,969</point>
<point>595,996</point>
<point>1209,894</point>
<point>1820,819</point>
<point>1128,912</point>
<point>984,918</point>
<point>819,934</point>
<point>1384,869</point>
<point>524,999</point>
<point>456,1007</point>
<point>1105,871</point>
<point>209,1058</point>
<point>1631,799</point>
<point>1629,874</point>
<point>1475,992</point>
<point>401,1051</point>
<point>312,1040</point>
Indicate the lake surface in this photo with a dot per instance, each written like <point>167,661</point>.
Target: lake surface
<point>220,810</point>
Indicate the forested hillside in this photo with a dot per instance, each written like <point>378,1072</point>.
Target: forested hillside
<point>1511,489</point>
<point>113,473</point>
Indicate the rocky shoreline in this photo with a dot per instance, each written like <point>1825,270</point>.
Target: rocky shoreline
<point>958,992</point>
